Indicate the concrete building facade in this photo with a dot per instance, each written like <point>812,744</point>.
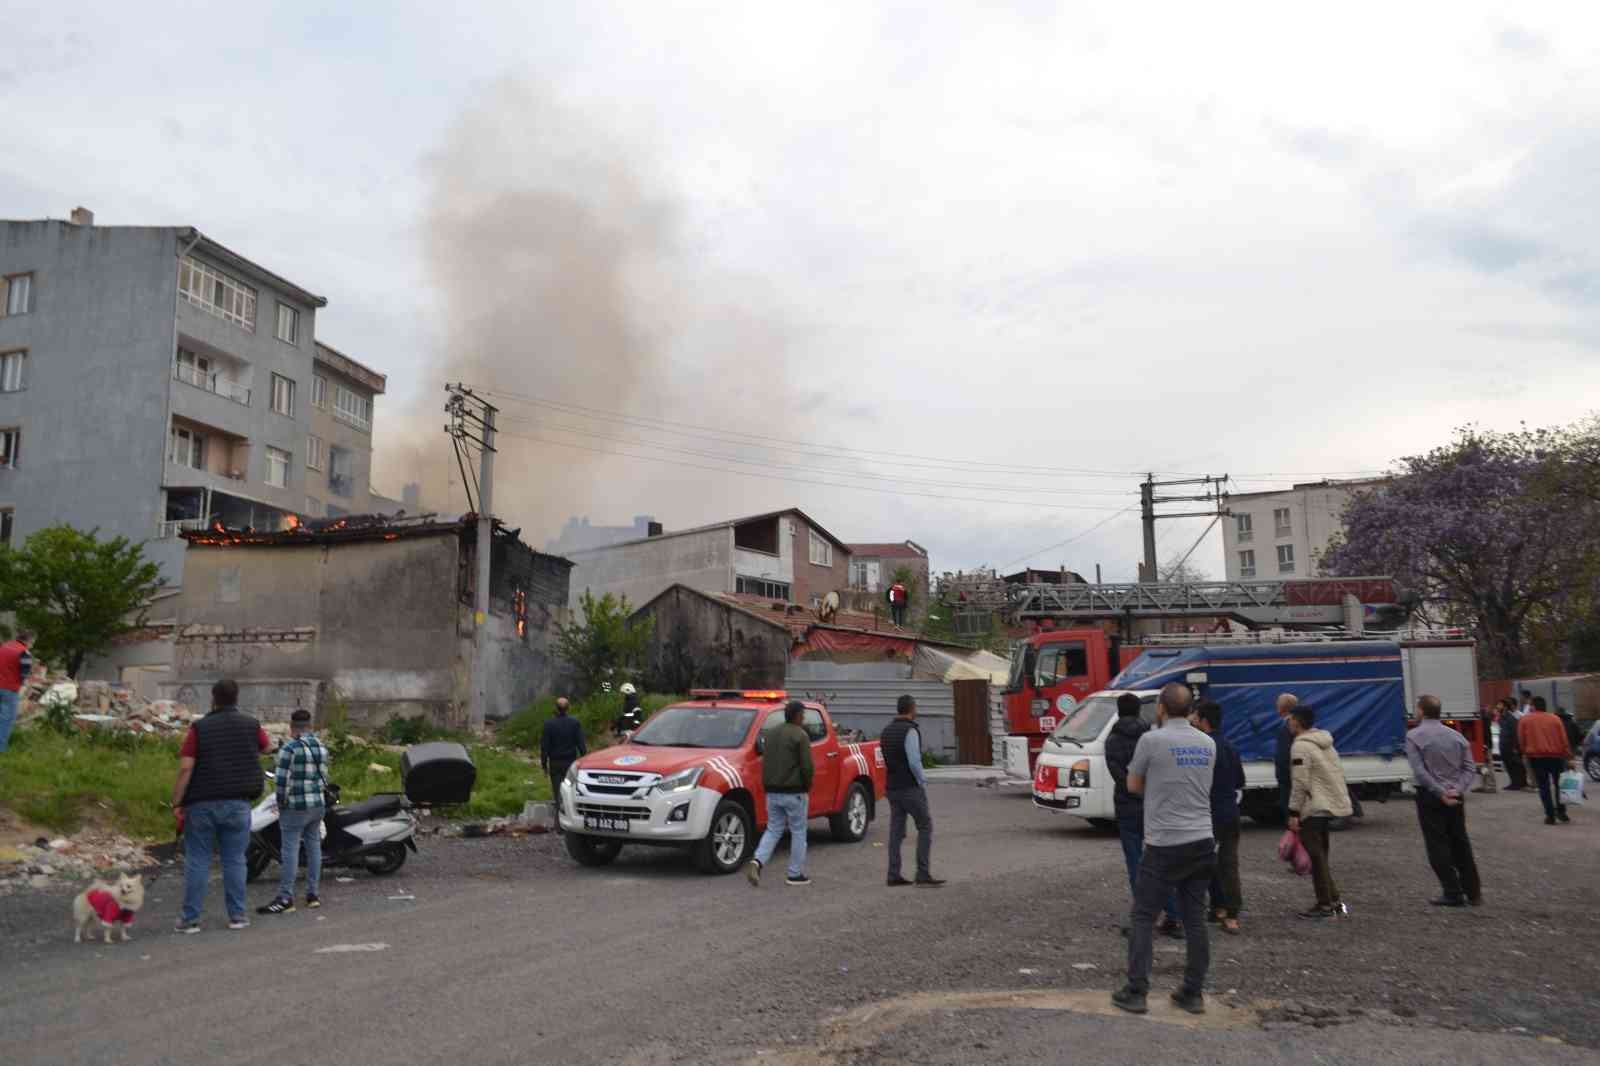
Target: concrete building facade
<point>152,381</point>
<point>1283,534</point>
<point>783,556</point>
<point>580,535</point>
<point>873,568</point>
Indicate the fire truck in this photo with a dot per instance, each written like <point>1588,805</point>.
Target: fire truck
<point>1054,669</point>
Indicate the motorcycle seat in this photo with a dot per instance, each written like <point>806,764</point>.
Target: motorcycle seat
<point>380,806</point>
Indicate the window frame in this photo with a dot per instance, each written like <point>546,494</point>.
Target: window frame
<point>824,556</point>
<point>319,391</point>
<point>1054,652</point>
<point>352,408</point>
<point>21,356</point>
<point>316,449</point>
<point>8,520</point>
<point>294,324</point>
<point>216,293</point>
<point>1247,569</point>
<point>287,461</point>
<point>10,446</point>
<point>272,400</point>
<point>1286,565</point>
<point>1244,527</point>
<point>1284,528</point>
<point>335,477</point>
<point>766,592</point>
<point>194,445</point>
<point>9,294</point>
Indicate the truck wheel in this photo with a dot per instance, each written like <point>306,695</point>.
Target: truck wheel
<point>592,851</point>
<point>850,824</point>
<point>728,844</point>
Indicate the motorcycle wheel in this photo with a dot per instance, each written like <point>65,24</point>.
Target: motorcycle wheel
<point>256,860</point>
<point>1591,765</point>
<point>386,860</point>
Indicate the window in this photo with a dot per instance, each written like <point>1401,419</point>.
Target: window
<point>10,442</point>
<point>1286,558</point>
<point>760,586</point>
<point>282,395</point>
<point>352,407</point>
<point>288,324</point>
<point>319,391</point>
<point>811,721</point>
<point>13,371</point>
<point>1247,564</point>
<point>187,448</point>
<point>341,473</point>
<point>1057,662</point>
<point>6,517</point>
<point>313,507</point>
<point>1280,521</point>
<point>216,293</point>
<point>821,551</point>
<point>314,453</point>
<point>1241,526</point>
<point>864,575</point>
<point>16,294</point>
<point>277,467</point>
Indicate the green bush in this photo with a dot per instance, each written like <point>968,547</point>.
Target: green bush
<point>596,713</point>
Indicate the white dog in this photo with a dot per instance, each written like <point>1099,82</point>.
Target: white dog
<point>110,904</point>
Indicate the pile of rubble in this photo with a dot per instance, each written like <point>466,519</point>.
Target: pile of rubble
<point>84,857</point>
<point>102,705</point>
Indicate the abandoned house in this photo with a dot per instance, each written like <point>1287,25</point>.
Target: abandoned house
<point>368,615</point>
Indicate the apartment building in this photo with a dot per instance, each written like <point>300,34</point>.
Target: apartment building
<point>1283,534</point>
<point>153,380</point>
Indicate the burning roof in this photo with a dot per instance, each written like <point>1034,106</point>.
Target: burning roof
<point>298,530</point>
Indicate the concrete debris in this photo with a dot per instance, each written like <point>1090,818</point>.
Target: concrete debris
<point>102,705</point>
<point>82,857</point>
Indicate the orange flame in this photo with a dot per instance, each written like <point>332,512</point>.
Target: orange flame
<point>291,521</point>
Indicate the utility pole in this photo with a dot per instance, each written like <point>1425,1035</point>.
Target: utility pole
<point>472,419</point>
<point>1148,570</point>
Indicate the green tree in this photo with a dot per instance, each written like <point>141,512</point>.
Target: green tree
<point>605,645</point>
<point>76,592</point>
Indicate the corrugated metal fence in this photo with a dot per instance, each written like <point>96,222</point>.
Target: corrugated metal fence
<point>868,704</point>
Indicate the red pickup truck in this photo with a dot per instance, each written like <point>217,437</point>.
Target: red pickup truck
<point>690,777</point>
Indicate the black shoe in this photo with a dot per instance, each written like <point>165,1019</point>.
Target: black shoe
<point>277,906</point>
<point>1129,1000</point>
<point>312,902</point>
<point>1475,901</point>
<point>1561,816</point>
<point>929,882</point>
<point>1193,1002</point>
<point>1170,928</point>
<point>797,879</point>
<point>1549,819</point>
<point>897,882</point>
<point>1449,901</point>
<point>752,872</point>
<point>1318,912</point>
<point>1513,788</point>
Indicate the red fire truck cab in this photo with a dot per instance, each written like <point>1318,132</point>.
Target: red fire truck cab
<point>1051,671</point>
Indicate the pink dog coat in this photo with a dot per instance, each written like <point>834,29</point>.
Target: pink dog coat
<point>107,907</point>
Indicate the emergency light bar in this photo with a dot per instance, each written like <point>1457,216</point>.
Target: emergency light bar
<point>737,694</point>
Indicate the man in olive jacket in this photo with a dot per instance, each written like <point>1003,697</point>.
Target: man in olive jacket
<point>786,771</point>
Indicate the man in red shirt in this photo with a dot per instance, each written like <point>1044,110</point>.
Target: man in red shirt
<point>219,777</point>
<point>15,662</point>
<point>1543,739</point>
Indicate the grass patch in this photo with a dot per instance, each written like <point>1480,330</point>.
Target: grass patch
<point>124,782</point>
<point>597,712</point>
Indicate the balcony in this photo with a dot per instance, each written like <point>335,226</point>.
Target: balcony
<point>211,381</point>
<point>171,529</point>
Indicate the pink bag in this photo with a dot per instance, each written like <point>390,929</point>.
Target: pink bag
<point>1291,851</point>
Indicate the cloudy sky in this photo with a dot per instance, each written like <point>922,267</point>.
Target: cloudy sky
<point>948,272</point>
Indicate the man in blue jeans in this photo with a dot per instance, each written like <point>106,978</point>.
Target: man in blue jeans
<point>301,777</point>
<point>1129,806</point>
<point>15,663</point>
<point>786,772</point>
<point>219,777</point>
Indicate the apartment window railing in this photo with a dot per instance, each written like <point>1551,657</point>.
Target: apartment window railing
<point>171,529</point>
<point>211,382</point>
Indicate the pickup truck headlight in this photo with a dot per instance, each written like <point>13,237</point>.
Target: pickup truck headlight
<point>681,780</point>
<point>1078,775</point>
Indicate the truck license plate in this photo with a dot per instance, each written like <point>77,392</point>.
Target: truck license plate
<point>609,825</point>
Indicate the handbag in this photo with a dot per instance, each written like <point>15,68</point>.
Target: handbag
<point>1291,851</point>
<point>1572,788</point>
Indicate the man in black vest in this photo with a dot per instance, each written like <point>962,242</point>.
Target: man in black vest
<point>901,743</point>
<point>560,745</point>
<point>219,776</point>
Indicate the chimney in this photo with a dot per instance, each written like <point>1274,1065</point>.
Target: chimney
<point>82,216</point>
<point>653,529</point>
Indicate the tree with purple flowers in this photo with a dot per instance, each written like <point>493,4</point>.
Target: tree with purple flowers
<point>1493,531</point>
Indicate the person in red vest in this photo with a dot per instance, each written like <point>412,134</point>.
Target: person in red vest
<point>15,664</point>
<point>898,599</point>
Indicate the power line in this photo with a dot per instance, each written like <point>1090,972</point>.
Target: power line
<point>1071,539</point>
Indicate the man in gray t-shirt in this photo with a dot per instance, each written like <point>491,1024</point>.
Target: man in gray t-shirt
<point>1172,768</point>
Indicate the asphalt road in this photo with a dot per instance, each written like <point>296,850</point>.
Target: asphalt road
<point>509,952</point>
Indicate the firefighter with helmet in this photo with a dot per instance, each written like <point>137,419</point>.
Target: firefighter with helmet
<point>632,716</point>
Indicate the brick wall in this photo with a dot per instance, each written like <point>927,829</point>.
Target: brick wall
<point>809,578</point>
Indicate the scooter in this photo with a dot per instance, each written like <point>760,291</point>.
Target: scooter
<point>372,835</point>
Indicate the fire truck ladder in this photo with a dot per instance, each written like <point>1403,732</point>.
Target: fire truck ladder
<point>1303,602</point>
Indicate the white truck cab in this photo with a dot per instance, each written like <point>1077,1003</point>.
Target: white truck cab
<point>1071,776</point>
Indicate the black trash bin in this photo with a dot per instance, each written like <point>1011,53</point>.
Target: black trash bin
<point>437,773</point>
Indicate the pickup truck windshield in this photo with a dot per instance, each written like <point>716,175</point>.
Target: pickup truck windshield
<point>696,727</point>
<point>1087,720</point>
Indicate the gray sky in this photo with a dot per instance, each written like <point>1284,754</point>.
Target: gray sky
<point>1249,239</point>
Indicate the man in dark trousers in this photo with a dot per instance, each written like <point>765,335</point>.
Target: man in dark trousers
<point>1287,702</point>
<point>1511,746</point>
<point>1544,743</point>
<point>1226,781</point>
<point>1441,766</point>
<point>1172,768</point>
<point>1120,744</point>
<point>560,745</point>
<point>219,777</point>
<point>901,744</point>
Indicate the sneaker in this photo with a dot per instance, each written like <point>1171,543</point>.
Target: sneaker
<point>1318,912</point>
<point>897,882</point>
<point>1129,1000</point>
<point>752,873</point>
<point>1561,816</point>
<point>1193,1002</point>
<point>1448,901</point>
<point>312,902</point>
<point>929,882</point>
<point>186,927</point>
<point>1341,909</point>
<point>281,905</point>
<point>797,879</point>
<point>1549,819</point>
<point>240,922</point>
